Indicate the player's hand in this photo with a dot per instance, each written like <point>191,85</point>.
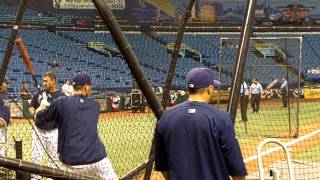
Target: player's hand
<point>44,100</point>
<point>40,108</point>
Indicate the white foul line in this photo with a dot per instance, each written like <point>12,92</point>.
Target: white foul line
<point>286,145</point>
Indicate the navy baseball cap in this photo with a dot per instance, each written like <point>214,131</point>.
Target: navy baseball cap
<point>198,78</point>
<point>81,79</point>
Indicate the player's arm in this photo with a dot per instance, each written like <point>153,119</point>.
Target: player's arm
<point>32,110</point>
<point>161,158</point>
<point>34,104</point>
<point>231,150</point>
<point>48,117</point>
<point>5,114</point>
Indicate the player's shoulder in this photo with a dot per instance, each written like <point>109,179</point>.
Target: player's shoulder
<point>59,93</point>
<point>213,111</point>
<point>176,108</point>
<point>90,100</point>
<point>81,99</point>
<point>60,99</point>
<point>199,106</point>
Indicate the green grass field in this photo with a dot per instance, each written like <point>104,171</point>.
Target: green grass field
<point>127,136</point>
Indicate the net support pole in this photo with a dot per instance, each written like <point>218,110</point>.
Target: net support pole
<point>175,53</point>
<point>286,63</point>
<point>129,56</point>
<point>241,59</point>
<point>136,70</point>
<point>18,147</point>
<point>45,171</point>
<point>299,90</point>
<point>12,37</point>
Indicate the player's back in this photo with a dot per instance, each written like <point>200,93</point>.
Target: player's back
<point>191,133</point>
<point>80,143</point>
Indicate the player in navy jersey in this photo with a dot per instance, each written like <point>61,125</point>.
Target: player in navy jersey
<point>4,115</point>
<point>4,102</point>
<point>194,140</point>
<point>79,146</point>
<point>47,139</point>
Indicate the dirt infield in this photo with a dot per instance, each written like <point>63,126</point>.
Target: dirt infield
<point>296,149</point>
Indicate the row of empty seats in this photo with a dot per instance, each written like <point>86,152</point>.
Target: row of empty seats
<point>69,49</point>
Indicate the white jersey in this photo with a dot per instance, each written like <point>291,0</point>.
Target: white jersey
<point>256,88</point>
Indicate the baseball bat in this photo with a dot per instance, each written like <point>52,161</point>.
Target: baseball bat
<point>27,61</point>
<point>274,82</point>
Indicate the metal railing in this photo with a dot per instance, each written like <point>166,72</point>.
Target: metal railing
<point>284,147</point>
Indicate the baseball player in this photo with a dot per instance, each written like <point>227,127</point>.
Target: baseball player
<point>47,139</point>
<point>79,146</point>
<point>4,115</point>
<point>194,140</point>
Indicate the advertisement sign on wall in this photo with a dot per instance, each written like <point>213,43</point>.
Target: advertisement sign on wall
<point>87,4</point>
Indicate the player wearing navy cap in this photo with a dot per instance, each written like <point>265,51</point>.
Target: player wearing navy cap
<point>194,140</point>
<point>76,117</point>
<point>4,114</point>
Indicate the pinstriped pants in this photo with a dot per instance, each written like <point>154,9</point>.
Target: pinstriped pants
<point>102,169</point>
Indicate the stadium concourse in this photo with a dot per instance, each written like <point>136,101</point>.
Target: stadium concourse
<point>69,38</point>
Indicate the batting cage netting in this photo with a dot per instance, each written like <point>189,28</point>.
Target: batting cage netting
<point>126,123</point>
<point>284,108</point>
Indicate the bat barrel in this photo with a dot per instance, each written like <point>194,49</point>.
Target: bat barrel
<point>27,61</point>
<point>25,56</point>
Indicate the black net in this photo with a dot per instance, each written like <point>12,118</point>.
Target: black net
<point>280,110</point>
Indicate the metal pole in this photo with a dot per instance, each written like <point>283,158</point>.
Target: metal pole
<point>286,63</point>
<point>220,69</point>
<point>129,56</point>
<point>33,168</point>
<point>241,59</point>
<point>299,89</point>
<point>175,53</point>
<point>12,37</point>
<point>133,63</point>
<point>20,175</point>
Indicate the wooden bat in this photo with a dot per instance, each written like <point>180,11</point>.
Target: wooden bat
<point>27,61</point>
<point>274,82</point>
